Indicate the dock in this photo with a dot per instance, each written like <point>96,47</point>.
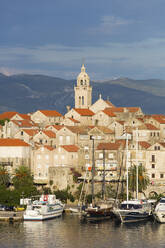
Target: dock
<point>11,216</point>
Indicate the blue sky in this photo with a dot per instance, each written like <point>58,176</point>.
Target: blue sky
<point>115,38</point>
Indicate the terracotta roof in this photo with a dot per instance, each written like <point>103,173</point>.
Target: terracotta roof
<point>50,113</point>
<point>117,109</point>
<point>84,112</point>
<point>7,115</point>
<point>75,121</point>
<point>71,148</point>
<point>13,142</point>
<point>109,146</point>
<point>50,148</point>
<point>144,144</point>
<point>159,118</point>
<point>49,133</point>
<point>24,123</point>
<point>104,129</point>
<point>30,132</point>
<point>57,127</point>
<point>162,143</point>
<point>133,109</point>
<point>109,112</point>
<point>150,126</point>
<point>109,103</point>
<point>24,116</point>
<point>79,129</point>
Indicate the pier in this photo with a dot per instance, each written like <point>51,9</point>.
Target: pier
<point>11,216</point>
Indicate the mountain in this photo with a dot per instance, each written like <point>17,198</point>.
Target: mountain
<point>27,93</point>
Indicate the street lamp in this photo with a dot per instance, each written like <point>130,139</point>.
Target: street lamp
<point>93,168</point>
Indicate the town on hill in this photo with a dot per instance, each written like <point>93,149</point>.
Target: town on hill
<point>59,149</point>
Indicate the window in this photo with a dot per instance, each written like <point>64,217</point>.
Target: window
<point>153,175</point>
<point>86,156</point>
<point>158,147</point>
<point>62,156</point>
<point>68,139</point>
<point>110,155</point>
<point>21,132</point>
<point>155,147</point>
<point>47,157</point>
<point>100,155</point>
<point>161,175</point>
<point>60,139</point>
<point>38,156</point>
<point>82,100</point>
<point>153,166</point>
<point>153,158</point>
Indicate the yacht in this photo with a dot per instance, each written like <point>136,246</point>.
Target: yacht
<point>133,211</point>
<point>159,211</point>
<point>47,207</point>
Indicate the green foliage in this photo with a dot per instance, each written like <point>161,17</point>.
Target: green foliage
<point>64,195</point>
<point>2,122</point>
<point>78,192</point>
<point>23,182</point>
<point>4,177</point>
<point>47,191</point>
<point>143,179</point>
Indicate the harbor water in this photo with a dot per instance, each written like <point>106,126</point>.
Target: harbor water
<point>69,232</point>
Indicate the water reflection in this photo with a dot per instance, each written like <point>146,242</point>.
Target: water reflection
<point>70,232</point>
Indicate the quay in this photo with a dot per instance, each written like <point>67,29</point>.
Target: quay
<point>11,216</point>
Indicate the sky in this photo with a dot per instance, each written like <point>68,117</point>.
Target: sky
<point>113,38</point>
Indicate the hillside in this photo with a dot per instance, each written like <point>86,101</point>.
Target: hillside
<point>27,93</point>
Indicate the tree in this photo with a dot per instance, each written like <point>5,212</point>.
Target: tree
<point>4,177</point>
<point>143,179</point>
<point>23,182</point>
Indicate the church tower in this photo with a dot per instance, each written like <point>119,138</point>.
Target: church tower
<point>83,90</point>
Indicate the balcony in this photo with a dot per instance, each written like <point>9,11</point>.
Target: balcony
<point>6,163</point>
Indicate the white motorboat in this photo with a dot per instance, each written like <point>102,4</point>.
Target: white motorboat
<point>159,211</point>
<point>47,207</point>
<point>133,211</point>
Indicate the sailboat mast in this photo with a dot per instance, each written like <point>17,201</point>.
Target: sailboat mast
<point>137,171</point>
<point>93,170</point>
<point>103,184</point>
<point>127,163</point>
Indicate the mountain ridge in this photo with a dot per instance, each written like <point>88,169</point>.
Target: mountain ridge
<point>27,93</point>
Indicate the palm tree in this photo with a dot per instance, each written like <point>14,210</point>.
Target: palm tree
<point>143,179</point>
<point>4,177</point>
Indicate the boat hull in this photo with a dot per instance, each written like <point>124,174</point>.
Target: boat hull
<point>97,214</point>
<point>32,216</point>
<point>131,216</point>
<point>159,216</point>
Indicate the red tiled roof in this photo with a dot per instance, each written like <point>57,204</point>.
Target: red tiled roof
<point>30,132</point>
<point>49,133</point>
<point>150,126</point>
<point>13,142</point>
<point>117,109</point>
<point>144,144</point>
<point>50,148</point>
<point>70,148</point>
<point>104,129</point>
<point>109,112</point>
<point>24,123</point>
<point>84,112</point>
<point>7,115</point>
<point>109,103</point>
<point>24,116</point>
<point>133,109</point>
<point>159,118</point>
<point>79,129</point>
<point>108,146</point>
<point>58,127</point>
<point>50,113</point>
<point>75,121</point>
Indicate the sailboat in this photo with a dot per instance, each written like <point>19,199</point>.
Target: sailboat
<point>132,210</point>
<point>101,210</point>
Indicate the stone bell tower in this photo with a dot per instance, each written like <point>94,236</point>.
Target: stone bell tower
<point>83,90</point>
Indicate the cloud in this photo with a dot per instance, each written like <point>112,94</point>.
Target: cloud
<point>109,24</point>
<point>139,59</point>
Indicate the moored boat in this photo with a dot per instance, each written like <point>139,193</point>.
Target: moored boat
<point>133,211</point>
<point>159,211</point>
<point>47,207</point>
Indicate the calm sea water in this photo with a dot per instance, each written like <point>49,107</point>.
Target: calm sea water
<point>70,232</point>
